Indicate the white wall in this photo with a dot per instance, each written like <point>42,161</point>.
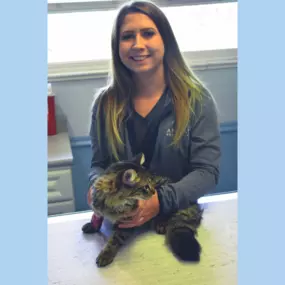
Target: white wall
<point>74,98</point>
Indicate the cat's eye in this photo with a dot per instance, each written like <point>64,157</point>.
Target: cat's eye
<point>145,190</point>
<point>129,177</point>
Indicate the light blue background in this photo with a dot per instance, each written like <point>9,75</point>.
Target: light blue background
<point>261,152</point>
<point>23,142</point>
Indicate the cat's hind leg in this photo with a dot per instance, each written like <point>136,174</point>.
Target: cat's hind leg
<point>160,225</point>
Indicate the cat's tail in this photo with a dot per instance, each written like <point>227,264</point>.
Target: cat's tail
<point>181,234</point>
<point>184,245</point>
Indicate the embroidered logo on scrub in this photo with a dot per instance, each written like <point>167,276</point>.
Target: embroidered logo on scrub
<point>170,131</point>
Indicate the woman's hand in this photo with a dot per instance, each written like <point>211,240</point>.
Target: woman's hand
<point>146,210</point>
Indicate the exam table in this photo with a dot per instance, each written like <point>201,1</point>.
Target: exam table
<point>146,260</point>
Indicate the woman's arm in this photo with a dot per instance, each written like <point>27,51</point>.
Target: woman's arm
<point>100,158</point>
<point>204,163</point>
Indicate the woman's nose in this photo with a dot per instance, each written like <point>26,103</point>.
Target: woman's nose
<point>139,42</point>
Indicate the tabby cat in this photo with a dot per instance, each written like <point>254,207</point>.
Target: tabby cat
<point>118,190</point>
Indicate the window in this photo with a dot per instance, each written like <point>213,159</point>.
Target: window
<point>86,36</point>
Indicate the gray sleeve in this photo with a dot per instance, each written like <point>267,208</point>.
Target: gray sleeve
<point>100,158</point>
<point>204,162</point>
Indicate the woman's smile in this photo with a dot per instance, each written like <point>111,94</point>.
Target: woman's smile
<point>140,58</point>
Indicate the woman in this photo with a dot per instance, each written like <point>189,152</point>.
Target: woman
<point>154,104</point>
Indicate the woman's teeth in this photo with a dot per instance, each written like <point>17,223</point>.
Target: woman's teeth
<point>139,58</point>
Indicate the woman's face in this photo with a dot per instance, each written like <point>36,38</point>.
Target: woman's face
<point>141,46</point>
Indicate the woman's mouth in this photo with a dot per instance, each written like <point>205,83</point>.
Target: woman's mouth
<point>139,58</point>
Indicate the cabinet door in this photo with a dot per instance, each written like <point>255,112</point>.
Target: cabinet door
<point>60,208</point>
<point>59,185</point>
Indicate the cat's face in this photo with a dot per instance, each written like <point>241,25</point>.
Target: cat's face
<point>126,180</point>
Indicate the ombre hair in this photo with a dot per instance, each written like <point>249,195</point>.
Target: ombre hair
<point>180,78</point>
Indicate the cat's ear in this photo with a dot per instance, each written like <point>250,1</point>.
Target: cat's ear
<point>130,177</point>
<point>139,159</point>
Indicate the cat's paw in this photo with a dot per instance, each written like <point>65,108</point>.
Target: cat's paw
<point>160,227</point>
<point>104,259</point>
<point>89,228</point>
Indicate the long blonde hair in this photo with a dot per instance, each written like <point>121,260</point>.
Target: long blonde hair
<point>181,79</point>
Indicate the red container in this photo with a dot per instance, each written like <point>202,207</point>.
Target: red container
<point>51,112</point>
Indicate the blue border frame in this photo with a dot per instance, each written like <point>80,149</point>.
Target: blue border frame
<point>261,152</point>
<point>23,120</point>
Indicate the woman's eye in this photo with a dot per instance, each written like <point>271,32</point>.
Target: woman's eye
<point>145,34</point>
<point>126,37</point>
<point>148,34</point>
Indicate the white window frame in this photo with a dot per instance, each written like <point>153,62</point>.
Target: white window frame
<point>67,6</point>
<point>198,60</point>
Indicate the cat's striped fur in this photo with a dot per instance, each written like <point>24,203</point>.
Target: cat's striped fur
<point>118,190</point>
